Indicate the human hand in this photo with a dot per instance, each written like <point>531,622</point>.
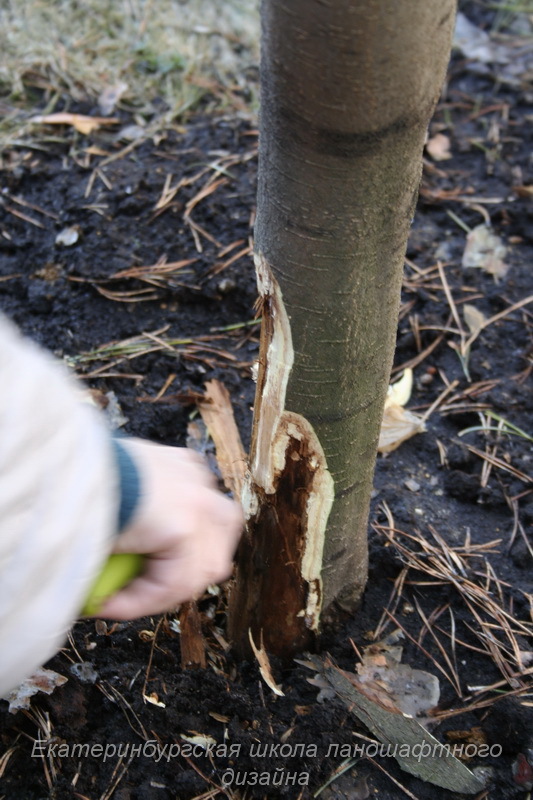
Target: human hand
<point>186,529</point>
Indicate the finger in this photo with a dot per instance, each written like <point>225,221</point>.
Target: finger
<point>141,598</point>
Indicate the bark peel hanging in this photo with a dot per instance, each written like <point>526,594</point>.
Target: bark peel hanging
<point>289,489</point>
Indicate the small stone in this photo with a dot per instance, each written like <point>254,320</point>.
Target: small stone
<point>412,485</point>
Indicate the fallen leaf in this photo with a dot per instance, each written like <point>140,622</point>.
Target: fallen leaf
<point>43,680</point>
<point>509,62</point>
<point>108,403</point>
<point>476,44</point>
<point>154,700</point>
<point>475,735</point>
<point>524,191</point>
<point>202,740</point>
<point>93,150</point>
<point>383,679</point>
<point>219,717</point>
<point>110,97</point>
<point>485,250</point>
<point>438,147</point>
<point>114,413</point>
<point>389,646</point>
<point>398,424</point>
<point>264,666</point>
<point>399,393</point>
<point>412,691</point>
<point>82,123</point>
<point>474,318</point>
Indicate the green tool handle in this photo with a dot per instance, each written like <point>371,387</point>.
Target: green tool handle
<point>119,570</point>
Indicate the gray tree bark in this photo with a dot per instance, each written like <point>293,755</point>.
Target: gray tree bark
<point>347,91</point>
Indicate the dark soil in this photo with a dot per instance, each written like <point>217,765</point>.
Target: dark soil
<point>431,483</point>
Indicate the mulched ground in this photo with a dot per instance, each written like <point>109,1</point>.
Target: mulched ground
<point>114,210</point>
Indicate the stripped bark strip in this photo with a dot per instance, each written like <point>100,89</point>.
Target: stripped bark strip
<point>192,643</point>
<point>217,413</point>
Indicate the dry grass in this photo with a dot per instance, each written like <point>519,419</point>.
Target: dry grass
<point>163,50</point>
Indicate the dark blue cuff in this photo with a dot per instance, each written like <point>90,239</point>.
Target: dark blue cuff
<point>130,485</point>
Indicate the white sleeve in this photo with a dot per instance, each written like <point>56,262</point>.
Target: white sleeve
<point>59,501</point>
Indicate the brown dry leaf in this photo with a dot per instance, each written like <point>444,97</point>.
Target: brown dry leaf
<point>388,647</point>
<point>524,191</point>
<point>398,424</point>
<point>474,318</point>
<point>219,717</point>
<point>264,666</point>
<point>485,250</point>
<point>81,122</point>
<point>154,700</point>
<point>94,150</point>
<point>43,680</point>
<point>438,147</point>
<point>475,736</point>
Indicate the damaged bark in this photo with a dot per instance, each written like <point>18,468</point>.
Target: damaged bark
<point>347,93</point>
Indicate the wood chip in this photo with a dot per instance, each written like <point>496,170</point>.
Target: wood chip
<point>264,666</point>
<point>192,643</point>
<point>392,727</point>
<point>217,414</point>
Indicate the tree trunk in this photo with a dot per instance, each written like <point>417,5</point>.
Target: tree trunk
<point>347,91</point>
